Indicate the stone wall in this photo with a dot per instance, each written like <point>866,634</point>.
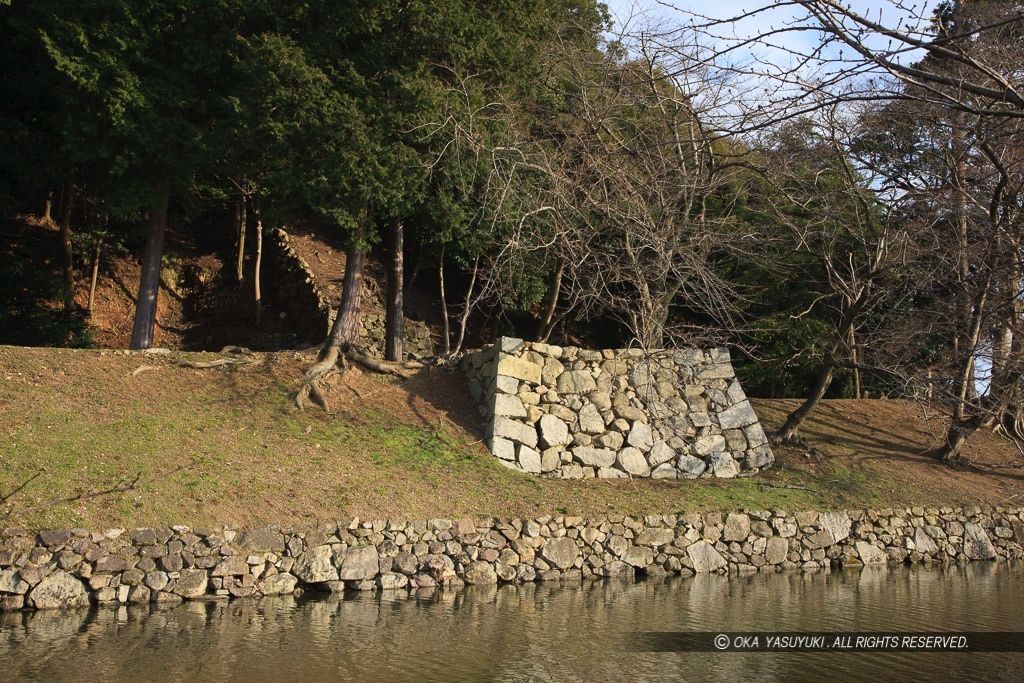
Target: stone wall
<point>295,286</point>
<point>574,413</point>
<point>69,568</point>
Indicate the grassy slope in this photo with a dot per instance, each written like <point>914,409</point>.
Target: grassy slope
<point>390,449</point>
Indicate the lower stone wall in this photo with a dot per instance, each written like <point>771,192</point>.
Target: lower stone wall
<point>70,568</point>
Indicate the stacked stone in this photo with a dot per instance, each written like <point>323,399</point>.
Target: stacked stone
<point>574,413</point>
<point>419,345</point>
<point>304,303</point>
<point>69,568</point>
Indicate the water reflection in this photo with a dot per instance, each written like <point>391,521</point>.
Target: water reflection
<point>531,632</point>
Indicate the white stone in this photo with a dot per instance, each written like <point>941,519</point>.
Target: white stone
<point>739,415</point>
<point>660,453</point>
<point>503,448</point>
<point>511,366</point>
<point>837,524</point>
<point>704,557</point>
<point>529,459</point>
<point>712,443</point>
<point>870,554</point>
<point>640,436</point>
<point>506,385</point>
<point>553,432</point>
<point>576,382</point>
<point>508,405</point>
<point>611,473</point>
<point>665,470</point>
<point>594,457</point>
<point>516,431</point>
<point>691,466</point>
<point>633,461</point>
<point>591,421</point>
<point>977,545</point>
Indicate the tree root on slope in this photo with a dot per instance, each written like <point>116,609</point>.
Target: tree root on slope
<point>313,382</point>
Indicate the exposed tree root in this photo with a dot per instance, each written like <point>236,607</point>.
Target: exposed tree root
<point>313,383</point>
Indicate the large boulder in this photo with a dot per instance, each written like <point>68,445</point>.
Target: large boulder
<point>553,432</point>
<point>59,590</point>
<point>356,564</point>
<point>260,540</point>
<point>977,544</point>
<point>704,557</point>
<point>191,583</point>
<point>315,565</point>
<point>560,552</point>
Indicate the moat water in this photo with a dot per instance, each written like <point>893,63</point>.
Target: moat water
<point>534,632</point>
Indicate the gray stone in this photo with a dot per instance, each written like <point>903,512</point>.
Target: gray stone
<point>231,566</point>
<point>550,372</point>
<point>755,435</point>
<point>691,466</point>
<point>623,410</point>
<point>632,461</point>
<point>612,440</point>
<point>157,580</point>
<point>870,554</point>
<point>191,583</point>
<point>759,456</point>
<point>640,436</point>
<point>837,524</point>
<point>550,459</point>
<point>508,405</point>
<point>506,385</point>
<point>278,584</point>
<point>503,448</point>
<point>716,371</point>
<point>655,537</point>
<point>516,431</point>
<point>737,527</point>
<point>480,573</point>
<point>665,470</point>
<point>509,344</point>
<point>724,466</point>
<point>390,581</point>
<point>689,357</point>
<point>704,557</point>
<point>923,543</point>
<point>510,366</point>
<point>638,557</point>
<point>529,459</point>
<point>553,432</point>
<point>776,550</point>
<point>560,552</point>
<point>594,457</point>
<point>660,453</point>
<point>977,545</point>
<point>740,415</point>
<point>315,565</point>
<point>575,382</point>
<point>591,421</point>
<point>11,582</point>
<point>261,540</point>
<point>711,443</point>
<point>356,564</point>
<point>59,590</point>
<point>611,473</point>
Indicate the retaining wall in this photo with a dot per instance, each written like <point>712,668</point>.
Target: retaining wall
<point>574,413</point>
<point>69,568</point>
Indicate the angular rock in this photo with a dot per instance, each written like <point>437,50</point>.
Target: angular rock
<point>231,566</point>
<point>611,473</point>
<point>755,435</point>
<point>315,565</point>
<point>357,563</point>
<point>640,436</point>
<point>508,405</point>
<point>11,582</point>
<point>759,456</point>
<point>503,448</point>
<point>59,590</point>
<point>575,382</point>
<point>776,550</point>
<point>923,543</point>
<point>836,524</point>
<point>665,470</point>
<point>528,459</point>
<point>550,372</point>
<point>516,431</point>
<point>611,440</point>
<point>510,366</point>
<point>724,466</point>
<point>278,584</point>
<point>870,554</point>
<point>655,537</point>
<point>711,443</point>
<point>737,527</point>
<point>553,432</point>
<point>716,371</point>
<point>660,452</point>
<point>638,557</point>
<point>977,545</point>
<point>704,557</point>
<point>591,421</point>
<point>560,552</point>
<point>633,461</point>
<point>740,415</point>
<point>691,466</point>
<point>594,457</point>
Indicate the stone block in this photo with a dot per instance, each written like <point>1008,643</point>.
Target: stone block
<point>691,466</point>
<point>510,366</point>
<point>508,406</point>
<point>724,465</point>
<point>640,436</point>
<point>575,382</point>
<point>553,432</point>
<point>632,460</point>
<point>529,459</point>
<point>516,431</point>
<point>740,415</point>
<point>594,457</point>
<point>503,448</point>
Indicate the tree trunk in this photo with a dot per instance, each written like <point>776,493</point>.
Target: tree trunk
<point>445,328</point>
<point>149,282</point>
<point>95,274</point>
<point>856,369</point>
<point>259,261</point>
<point>956,436</point>
<point>241,219</point>
<point>394,324</point>
<point>464,318</point>
<point>547,323</point>
<point>47,208</point>
<point>345,331</point>
<point>788,431</point>
<point>67,257</point>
